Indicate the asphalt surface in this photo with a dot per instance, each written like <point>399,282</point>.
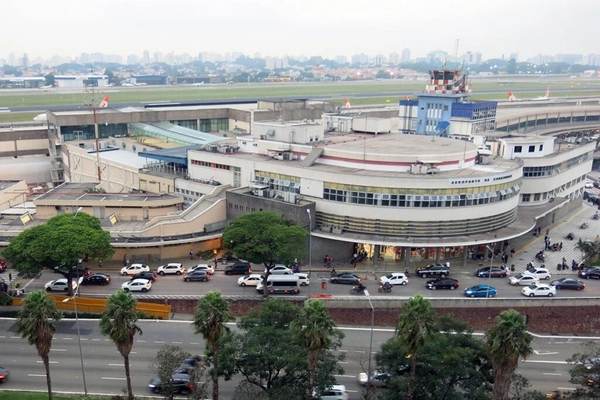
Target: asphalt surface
<point>103,365</point>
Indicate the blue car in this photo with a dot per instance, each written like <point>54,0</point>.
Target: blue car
<point>480,291</point>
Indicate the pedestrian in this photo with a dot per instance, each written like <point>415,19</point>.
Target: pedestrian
<point>564,263</point>
<point>547,231</point>
<point>100,263</point>
<point>216,263</point>
<point>448,264</point>
<point>512,252</point>
<point>560,246</point>
<point>539,230</point>
<point>191,254</point>
<point>125,260</point>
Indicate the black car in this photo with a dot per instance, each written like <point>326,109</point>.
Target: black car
<point>442,283</point>
<point>180,382</point>
<point>345,277</point>
<point>148,275</point>
<point>497,272</point>
<point>4,373</point>
<point>202,276</point>
<point>568,283</point>
<point>437,270</point>
<point>590,273</point>
<point>96,279</point>
<point>239,268</point>
<point>77,271</point>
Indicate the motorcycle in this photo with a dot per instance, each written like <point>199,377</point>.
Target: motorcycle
<point>357,290</point>
<point>596,216</point>
<point>385,288</point>
<point>584,225</point>
<point>540,257</point>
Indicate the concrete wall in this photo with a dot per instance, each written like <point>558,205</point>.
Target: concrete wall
<point>23,141</point>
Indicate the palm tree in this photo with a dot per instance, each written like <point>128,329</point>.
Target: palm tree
<point>506,342</point>
<point>36,322</point>
<point>212,313</point>
<point>315,330</point>
<point>415,325</point>
<point>119,323</point>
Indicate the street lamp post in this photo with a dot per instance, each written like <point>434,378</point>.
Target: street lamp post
<point>371,339</point>
<point>74,298</point>
<point>309,246</point>
<point>490,271</point>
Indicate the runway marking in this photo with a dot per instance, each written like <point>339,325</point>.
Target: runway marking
<point>58,349</point>
<point>550,373</point>
<point>112,379</point>
<point>49,362</point>
<point>37,375</point>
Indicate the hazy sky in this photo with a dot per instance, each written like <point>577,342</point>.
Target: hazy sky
<point>299,27</point>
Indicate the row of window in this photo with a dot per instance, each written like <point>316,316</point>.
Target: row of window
<point>211,165</point>
<point>427,192</point>
<point>188,192</point>
<point>530,149</point>
<point>549,170</point>
<point>528,197</point>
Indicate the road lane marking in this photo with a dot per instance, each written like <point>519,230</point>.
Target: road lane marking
<point>112,379</point>
<point>550,373</point>
<point>159,341</point>
<point>345,376</point>
<point>545,362</point>
<point>116,365</point>
<point>359,351</point>
<point>140,341</point>
<point>37,375</point>
<point>67,338</point>
<point>96,340</point>
<point>50,362</point>
<point>547,353</point>
<point>15,337</point>
<point>561,388</point>
<point>176,342</point>
<point>343,351</point>
<point>58,349</point>
<point>194,343</point>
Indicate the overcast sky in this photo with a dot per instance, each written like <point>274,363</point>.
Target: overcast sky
<point>300,27</point>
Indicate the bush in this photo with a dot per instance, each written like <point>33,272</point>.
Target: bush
<point>5,299</point>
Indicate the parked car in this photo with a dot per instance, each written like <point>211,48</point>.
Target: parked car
<point>180,382</point>
<point>226,260</point>
<point>4,373</point>
<point>280,270</point>
<point>239,268</point>
<point>171,268</point>
<point>395,278</point>
<point>437,270</point>
<point>497,272</point>
<point>590,273</point>
<point>481,291</point>
<point>540,273</point>
<point>149,275</point>
<point>137,285</point>
<point>96,279</point>
<point>442,283</point>
<point>3,266</point>
<point>202,267</point>
<point>250,280</point>
<point>202,276</point>
<point>77,271</point>
<point>378,379</point>
<point>568,283</point>
<point>333,392</point>
<point>303,278</point>
<point>523,280</point>
<point>540,289</point>
<point>60,285</point>
<point>134,269</point>
<point>589,184</point>
<point>345,277</point>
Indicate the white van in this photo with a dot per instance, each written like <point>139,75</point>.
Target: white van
<point>281,284</point>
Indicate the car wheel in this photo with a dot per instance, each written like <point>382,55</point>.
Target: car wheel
<point>204,280</point>
<point>124,274</point>
<point>472,295</point>
<point>550,295</point>
<point>103,283</point>
<point>65,290</point>
<point>587,277</point>
<point>126,289</point>
<point>433,288</point>
<point>578,288</point>
<point>442,276</point>
<point>303,284</point>
<point>243,284</point>
<point>546,278</point>
<point>503,276</point>
<point>48,289</point>
<point>404,283</point>
<point>144,290</point>
<point>227,272</point>
<point>186,279</point>
<point>531,295</point>
<point>490,295</point>
<point>178,273</point>
<point>161,273</point>
<point>452,287</point>
<point>424,276</point>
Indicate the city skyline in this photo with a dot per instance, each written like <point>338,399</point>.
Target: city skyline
<point>309,28</point>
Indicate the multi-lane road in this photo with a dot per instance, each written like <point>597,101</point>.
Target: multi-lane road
<point>103,365</point>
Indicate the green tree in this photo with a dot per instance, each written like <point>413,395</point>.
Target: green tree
<point>507,341</point>
<point>36,322</point>
<point>454,366</point>
<point>587,248</point>
<point>49,79</point>
<point>212,315</point>
<point>118,322</point>
<point>519,389</point>
<point>586,372</point>
<point>415,326</point>
<point>266,238</point>
<point>169,360</point>
<point>317,334</point>
<point>63,240</point>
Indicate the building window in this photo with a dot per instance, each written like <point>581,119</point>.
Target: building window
<point>532,149</point>
<point>445,108</point>
<point>518,149</point>
<point>541,147</point>
<point>525,198</point>
<point>536,197</point>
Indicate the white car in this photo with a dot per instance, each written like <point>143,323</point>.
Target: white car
<point>540,273</point>
<point>589,184</point>
<point>60,285</point>
<point>202,267</point>
<point>539,289</point>
<point>280,270</point>
<point>250,280</point>
<point>523,280</point>
<point>334,392</point>
<point>303,279</point>
<point>137,285</point>
<point>395,278</point>
<point>171,268</point>
<point>134,269</point>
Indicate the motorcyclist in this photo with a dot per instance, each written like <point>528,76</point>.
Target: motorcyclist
<point>360,287</point>
<point>387,286</point>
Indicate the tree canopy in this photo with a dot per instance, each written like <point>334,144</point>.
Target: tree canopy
<point>586,372</point>
<point>267,238</point>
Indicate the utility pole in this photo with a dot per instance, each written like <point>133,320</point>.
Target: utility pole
<point>93,105</point>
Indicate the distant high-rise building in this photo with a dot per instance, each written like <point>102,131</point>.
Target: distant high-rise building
<point>97,58</point>
<point>379,60</point>
<point>569,58</point>
<point>405,56</point>
<point>437,56</point>
<point>341,59</point>
<point>276,63</point>
<point>591,59</point>
<point>394,59</point>
<point>12,60</point>
<point>146,57</point>
<point>84,58</point>
<point>515,56</point>
<point>132,59</point>
<point>25,61</point>
<point>360,59</point>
